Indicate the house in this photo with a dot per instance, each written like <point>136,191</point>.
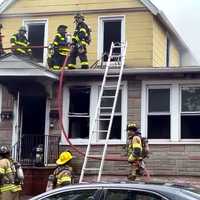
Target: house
<point>159,91</point>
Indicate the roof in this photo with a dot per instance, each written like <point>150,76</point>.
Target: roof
<point>11,65</point>
<point>135,71</point>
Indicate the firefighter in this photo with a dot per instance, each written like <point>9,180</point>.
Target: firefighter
<point>11,176</point>
<point>137,150</point>
<point>59,49</point>
<point>62,175</point>
<point>20,44</point>
<point>80,39</point>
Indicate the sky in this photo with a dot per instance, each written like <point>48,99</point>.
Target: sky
<point>185,16</point>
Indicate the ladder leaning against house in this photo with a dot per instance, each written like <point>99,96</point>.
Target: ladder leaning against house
<point>113,71</point>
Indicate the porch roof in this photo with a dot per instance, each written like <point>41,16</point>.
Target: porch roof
<point>15,66</point>
<point>135,71</point>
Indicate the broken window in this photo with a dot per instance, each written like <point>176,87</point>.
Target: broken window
<point>112,29</point>
<point>106,109</point>
<point>36,38</point>
<point>190,112</point>
<point>79,111</point>
<point>158,113</point>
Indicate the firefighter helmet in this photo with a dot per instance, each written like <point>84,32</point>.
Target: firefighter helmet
<point>132,126</point>
<point>61,27</point>
<point>64,158</point>
<point>22,28</point>
<point>4,150</point>
<point>79,16</point>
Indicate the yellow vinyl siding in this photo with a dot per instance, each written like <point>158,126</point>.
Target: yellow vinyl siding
<point>159,45</point>
<point>174,55</point>
<point>139,37</point>
<point>35,6</point>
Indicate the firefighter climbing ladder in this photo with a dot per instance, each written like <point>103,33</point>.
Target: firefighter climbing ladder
<point>111,81</point>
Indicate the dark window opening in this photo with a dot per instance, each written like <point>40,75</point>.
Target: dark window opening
<point>115,130</point>
<point>158,127</point>
<point>168,52</point>
<point>36,38</point>
<point>112,33</point>
<point>79,112</point>
<point>190,127</point>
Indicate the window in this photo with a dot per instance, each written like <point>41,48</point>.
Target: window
<point>107,104</point>
<point>111,29</point>
<point>171,111</point>
<point>158,113</point>
<point>168,52</point>
<point>76,195</point>
<point>131,195</point>
<point>79,111</point>
<point>37,36</point>
<point>190,112</point>
<point>79,106</point>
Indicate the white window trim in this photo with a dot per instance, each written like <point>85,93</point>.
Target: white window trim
<point>38,21</point>
<point>1,99</point>
<point>93,102</point>
<point>175,100</point>
<point>101,19</point>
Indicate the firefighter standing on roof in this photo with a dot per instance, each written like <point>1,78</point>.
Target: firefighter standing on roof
<point>11,176</point>
<point>20,44</point>
<point>80,40</point>
<point>62,175</point>
<point>137,150</point>
<point>59,49</point>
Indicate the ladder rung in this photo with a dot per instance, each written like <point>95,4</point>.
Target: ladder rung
<point>108,97</point>
<point>110,86</point>
<point>95,156</point>
<point>92,169</point>
<point>100,131</point>
<point>105,108</point>
<point>112,76</point>
<point>103,119</point>
<point>105,114</point>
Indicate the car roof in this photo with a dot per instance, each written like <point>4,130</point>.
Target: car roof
<point>169,189</point>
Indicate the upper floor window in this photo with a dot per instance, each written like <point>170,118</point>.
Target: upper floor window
<point>37,36</point>
<point>111,29</point>
<point>168,52</point>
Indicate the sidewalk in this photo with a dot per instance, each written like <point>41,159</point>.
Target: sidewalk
<point>25,197</point>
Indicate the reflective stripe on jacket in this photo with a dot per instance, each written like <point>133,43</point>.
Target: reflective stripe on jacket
<point>21,43</point>
<point>63,175</point>
<point>60,44</point>
<point>7,177</point>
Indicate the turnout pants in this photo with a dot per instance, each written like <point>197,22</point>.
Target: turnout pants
<point>82,54</point>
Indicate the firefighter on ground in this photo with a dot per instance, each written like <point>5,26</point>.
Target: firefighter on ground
<point>62,175</point>
<point>11,176</point>
<point>138,149</point>
<point>59,49</point>
<point>20,44</point>
<point>80,39</point>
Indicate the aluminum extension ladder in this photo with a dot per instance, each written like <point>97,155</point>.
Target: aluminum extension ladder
<point>113,72</point>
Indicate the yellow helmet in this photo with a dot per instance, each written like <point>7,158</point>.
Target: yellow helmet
<point>64,158</point>
<point>132,126</point>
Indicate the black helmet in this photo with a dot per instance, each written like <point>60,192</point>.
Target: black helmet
<point>79,16</point>
<point>4,150</point>
<point>61,27</point>
<point>132,126</point>
<point>22,28</point>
